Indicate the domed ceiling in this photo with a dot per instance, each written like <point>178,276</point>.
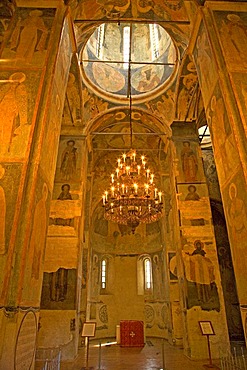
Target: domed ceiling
<point>120,59</point>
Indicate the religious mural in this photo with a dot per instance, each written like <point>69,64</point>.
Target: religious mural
<point>211,173</point>
<point>232,34</point>
<point>187,95</point>
<point>52,131</point>
<point>228,280</point>
<point>38,234</point>
<point>239,83</point>
<point>220,128</point>
<point>36,248</point>
<point>206,69</point>
<point>17,102</point>
<point>201,289</point>
<point>10,174</point>
<point>63,59</point>
<point>59,290</point>
<point>237,226</point>
<point>190,168</point>
<point>136,8</point>
<point>195,214</point>
<point>150,43</point>
<point>29,39</point>
<point>72,104</point>
<point>69,160</point>
<point>4,23</point>
<point>116,238</point>
<point>163,106</point>
<point>92,105</point>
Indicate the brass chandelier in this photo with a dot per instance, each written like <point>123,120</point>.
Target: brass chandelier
<point>132,197</point>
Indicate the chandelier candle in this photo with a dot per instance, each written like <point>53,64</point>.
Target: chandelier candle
<point>133,199</point>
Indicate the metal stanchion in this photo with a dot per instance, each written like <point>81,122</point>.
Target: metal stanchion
<point>163,355</point>
<point>99,356</point>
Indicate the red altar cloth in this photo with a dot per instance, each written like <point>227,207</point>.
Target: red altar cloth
<point>131,333</point>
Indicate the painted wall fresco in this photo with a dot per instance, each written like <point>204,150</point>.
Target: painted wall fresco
<point>239,84</point>
<point>163,106</point>
<point>72,105</point>
<point>56,102</point>
<point>106,66</point>
<point>228,280</point>
<point>4,23</point>
<point>211,174</point>
<point>135,8</point>
<point>52,131</point>
<point>201,288</point>
<point>29,40</point>
<point>69,160</point>
<point>59,290</point>
<point>18,96</point>
<point>189,164</point>
<point>10,175</point>
<point>63,59</point>
<point>205,65</point>
<point>116,238</point>
<point>36,248</point>
<point>235,198</point>
<point>187,93</point>
<point>92,105</point>
<point>232,28</point>
<point>222,136</point>
<point>195,214</point>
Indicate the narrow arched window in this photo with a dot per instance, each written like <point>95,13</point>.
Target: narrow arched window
<point>103,274</point>
<point>147,274</point>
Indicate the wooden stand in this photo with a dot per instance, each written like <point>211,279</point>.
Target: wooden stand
<point>88,330</point>
<point>210,365</point>
<point>207,330</point>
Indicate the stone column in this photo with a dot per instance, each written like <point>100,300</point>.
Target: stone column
<point>220,56</point>
<point>35,62</point>
<point>197,268</point>
<point>64,255</point>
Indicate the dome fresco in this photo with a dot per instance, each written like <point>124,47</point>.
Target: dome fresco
<point>118,57</point>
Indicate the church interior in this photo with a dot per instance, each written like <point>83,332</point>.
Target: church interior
<point>123,171</point>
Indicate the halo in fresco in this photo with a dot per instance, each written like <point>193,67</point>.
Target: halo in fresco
<point>108,78</point>
<point>122,56</point>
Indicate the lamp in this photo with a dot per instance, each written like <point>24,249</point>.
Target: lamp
<point>132,197</point>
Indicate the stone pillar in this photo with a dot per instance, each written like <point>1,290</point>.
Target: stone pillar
<point>220,56</point>
<point>35,59</point>
<point>201,295</point>
<point>60,299</point>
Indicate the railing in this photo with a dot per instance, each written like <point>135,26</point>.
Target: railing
<point>234,360</point>
<point>48,358</point>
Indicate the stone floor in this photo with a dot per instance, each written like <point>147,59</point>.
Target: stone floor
<point>150,357</point>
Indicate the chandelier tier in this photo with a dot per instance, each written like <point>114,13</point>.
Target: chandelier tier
<point>132,197</point>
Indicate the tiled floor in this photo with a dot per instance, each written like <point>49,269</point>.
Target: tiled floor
<point>150,357</point>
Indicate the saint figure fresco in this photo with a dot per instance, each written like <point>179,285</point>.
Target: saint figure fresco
<point>2,214</point>
<point>192,194</point>
<point>26,37</point>
<point>199,273</point>
<point>69,161</point>
<point>13,109</point>
<point>237,215</point>
<point>189,162</point>
<point>38,236</point>
<point>64,195</point>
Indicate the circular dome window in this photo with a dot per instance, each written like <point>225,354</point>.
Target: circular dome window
<point>119,59</point>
